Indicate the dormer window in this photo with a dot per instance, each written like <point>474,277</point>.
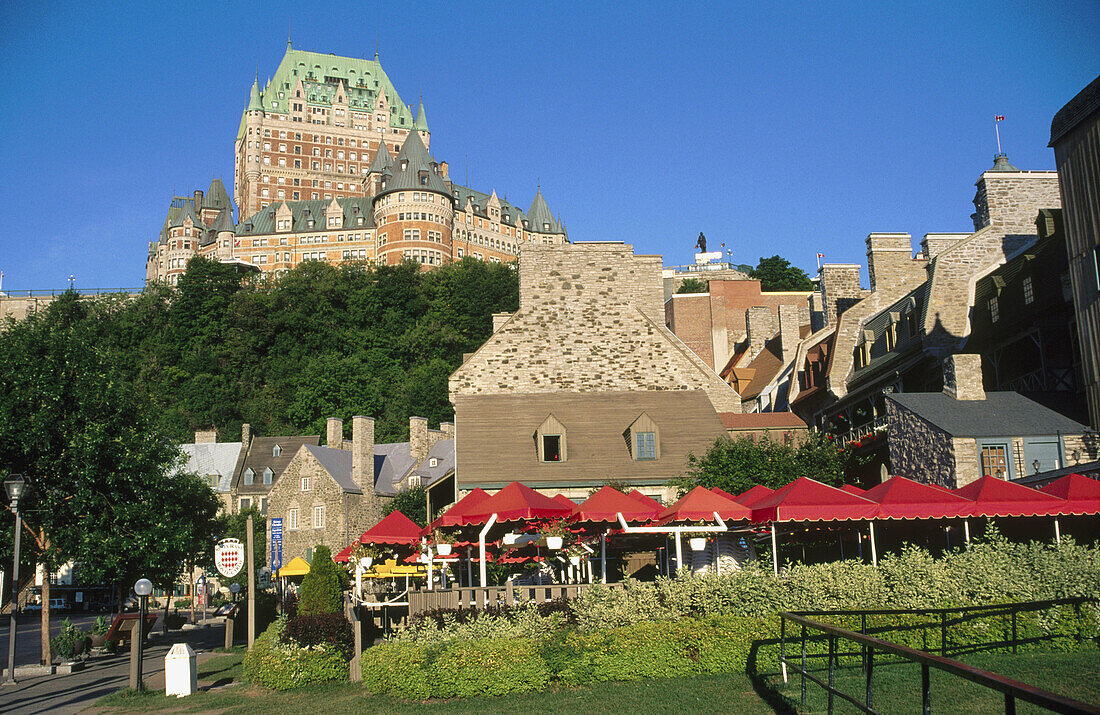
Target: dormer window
<point>249,477</point>
<point>892,332</point>
<point>433,462</point>
<point>276,451</point>
<point>642,439</point>
<point>269,475</point>
<point>550,440</point>
<point>414,480</point>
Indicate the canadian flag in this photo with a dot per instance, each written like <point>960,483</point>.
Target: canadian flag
<point>999,118</point>
<point>821,255</point>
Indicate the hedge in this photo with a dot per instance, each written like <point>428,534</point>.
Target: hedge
<point>281,666</point>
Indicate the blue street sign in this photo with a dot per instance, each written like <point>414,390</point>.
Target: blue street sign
<point>276,545</point>
<point>276,529</point>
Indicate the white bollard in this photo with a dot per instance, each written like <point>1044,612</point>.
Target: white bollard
<point>181,674</point>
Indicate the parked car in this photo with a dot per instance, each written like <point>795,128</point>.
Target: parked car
<point>56,604</point>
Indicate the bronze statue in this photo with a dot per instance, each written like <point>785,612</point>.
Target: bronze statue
<point>701,244</point>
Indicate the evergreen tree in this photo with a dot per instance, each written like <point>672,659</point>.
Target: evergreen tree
<point>322,587</point>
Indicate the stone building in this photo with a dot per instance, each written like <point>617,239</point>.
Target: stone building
<point>261,464</point>
<point>1075,136</point>
<point>954,437</point>
<point>331,165</point>
<point>584,383</point>
<point>331,494</point>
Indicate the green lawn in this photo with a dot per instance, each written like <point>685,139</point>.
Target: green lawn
<point>897,691</point>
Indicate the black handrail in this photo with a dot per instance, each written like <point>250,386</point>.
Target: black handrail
<point>1011,689</point>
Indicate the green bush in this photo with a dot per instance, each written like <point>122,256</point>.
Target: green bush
<point>489,666</point>
<point>280,666</point>
<point>322,587</point>
<point>70,642</point>
<point>397,669</point>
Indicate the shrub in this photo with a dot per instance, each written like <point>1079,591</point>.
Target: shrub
<point>101,626</point>
<point>328,629</point>
<point>397,669</point>
<point>280,666</point>
<point>490,666</point>
<point>322,587</point>
<point>70,642</point>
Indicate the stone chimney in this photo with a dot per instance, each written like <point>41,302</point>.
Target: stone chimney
<point>362,453</point>
<point>418,438</point>
<point>334,432</point>
<point>209,436</point>
<point>761,324</point>
<point>448,429</point>
<point>890,261</point>
<point>933,244</point>
<point>840,289</point>
<point>790,320</point>
<point>500,319</point>
<point>198,201</point>
<point>962,377</point>
<point>246,435</point>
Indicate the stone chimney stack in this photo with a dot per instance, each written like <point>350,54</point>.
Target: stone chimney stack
<point>448,429</point>
<point>362,453</point>
<point>418,438</point>
<point>246,435</point>
<point>209,436</point>
<point>933,244</point>
<point>840,289</point>
<point>890,261</point>
<point>500,319</point>
<point>334,432</point>
<point>962,377</point>
<point>761,324</point>
<point>198,201</point>
<point>790,320</point>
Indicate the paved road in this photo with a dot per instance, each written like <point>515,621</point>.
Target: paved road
<point>28,646</point>
<point>102,676</point>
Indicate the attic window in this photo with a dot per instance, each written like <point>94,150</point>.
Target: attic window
<point>414,480</point>
<point>863,354</point>
<point>642,439</point>
<point>249,477</point>
<point>911,323</point>
<point>550,440</point>
<point>276,451</point>
<point>433,462</point>
<point>268,475</point>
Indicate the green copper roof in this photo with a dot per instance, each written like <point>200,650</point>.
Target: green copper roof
<point>254,101</point>
<point>216,196</point>
<point>240,129</point>
<point>321,73</point>
<point>352,209</point>
<point>414,168</point>
<point>421,119</point>
<point>382,160</point>
<point>539,215</point>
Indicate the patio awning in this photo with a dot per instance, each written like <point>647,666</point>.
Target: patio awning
<point>608,502</point>
<point>700,504</point>
<point>566,501</point>
<point>345,553</point>
<point>752,495</point>
<point>724,493</point>
<point>395,529</point>
<point>516,502</point>
<point>457,512</point>
<point>648,501</point>
<point>853,489</point>
<point>296,567</point>
<point>901,498</point>
<point>805,499</point>
<point>1082,494</point>
<point>996,497</point>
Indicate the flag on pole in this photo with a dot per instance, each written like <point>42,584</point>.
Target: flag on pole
<point>999,118</point>
<point>821,255</point>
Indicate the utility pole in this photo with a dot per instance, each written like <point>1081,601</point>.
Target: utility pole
<point>251,588</point>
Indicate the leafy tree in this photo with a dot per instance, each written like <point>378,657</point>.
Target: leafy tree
<point>322,587</point>
<point>738,464</point>
<point>412,502</point>
<point>777,274</point>
<point>693,285</point>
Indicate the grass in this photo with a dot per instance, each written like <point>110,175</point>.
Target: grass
<point>897,689</point>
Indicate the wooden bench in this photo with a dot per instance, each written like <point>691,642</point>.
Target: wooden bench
<point>122,628</point>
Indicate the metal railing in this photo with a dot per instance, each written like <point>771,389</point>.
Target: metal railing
<point>868,645</point>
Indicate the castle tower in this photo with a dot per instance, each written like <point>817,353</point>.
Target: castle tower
<point>413,209</point>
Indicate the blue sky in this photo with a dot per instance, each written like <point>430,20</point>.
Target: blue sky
<point>789,128</point>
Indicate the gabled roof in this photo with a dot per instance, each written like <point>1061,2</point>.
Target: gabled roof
<point>337,462</point>
<point>414,168</point>
<point>443,452</point>
<point>209,458</point>
<point>382,160</point>
<point>263,221</point>
<point>901,498</point>
<point>259,455</point>
<point>392,464</point>
<point>1081,493</point>
<point>608,502</point>
<point>509,213</point>
<point>1000,414</point>
<point>539,215</point>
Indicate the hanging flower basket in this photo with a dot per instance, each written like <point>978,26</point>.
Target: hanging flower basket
<point>698,543</point>
<point>575,560</point>
<point>553,542</point>
<point>443,549</point>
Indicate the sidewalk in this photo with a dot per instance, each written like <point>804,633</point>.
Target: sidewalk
<point>103,675</point>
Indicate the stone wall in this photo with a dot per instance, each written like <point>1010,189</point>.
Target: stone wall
<point>967,465</point>
<point>962,377</point>
<point>1008,201</point>
<point>761,324</point>
<point>918,449</point>
<point>890,260</point>
<point>840,289</point>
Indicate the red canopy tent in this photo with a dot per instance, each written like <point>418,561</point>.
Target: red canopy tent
<point>565,501</point>
<point>455,515</point>
<point>608,502</point>
<point>396,529</point>
<point>901,498</point>
<point>752,495</point>
<point>1082,494</point>
<point>807,500</point>
<point>724,493</point>
<point>700,504</point>
<point>996,497</point>
<point>638,496</point>
<point>516,502</point>
<point>853,489</point>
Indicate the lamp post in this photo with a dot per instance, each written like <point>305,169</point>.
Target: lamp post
<point>15,486</point>
<point>142,588</point>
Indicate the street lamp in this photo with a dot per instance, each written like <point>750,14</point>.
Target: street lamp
<point>142,588</point>
<point>15,486</point>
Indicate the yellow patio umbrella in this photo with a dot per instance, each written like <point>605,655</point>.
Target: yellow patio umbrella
<point>297,567</point>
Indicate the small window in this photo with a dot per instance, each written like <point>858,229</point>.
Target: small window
<point>551,448</point>
<point>292,519</point>
<point>911,323</point>
<point>414,480</point>
<point>249,477</point>
<point>994,459</point>
<point>1029,291</point>
<point>307,485</point>
<point>277,450</point>
<point>643,439</point>
<point>645,445</point>
<point>319,516</point>
<point>891,336</point>
<point>268,475</point>
<point>863,354</point>
<point>245,504</point>
<point>994,310</point>
<point>263,505</point>
<point>433,462</point>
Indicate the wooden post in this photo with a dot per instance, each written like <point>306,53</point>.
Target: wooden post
<point>356,673</point>
<point>135,681</point>
<point>251,588</point>
<point>228,633</point>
